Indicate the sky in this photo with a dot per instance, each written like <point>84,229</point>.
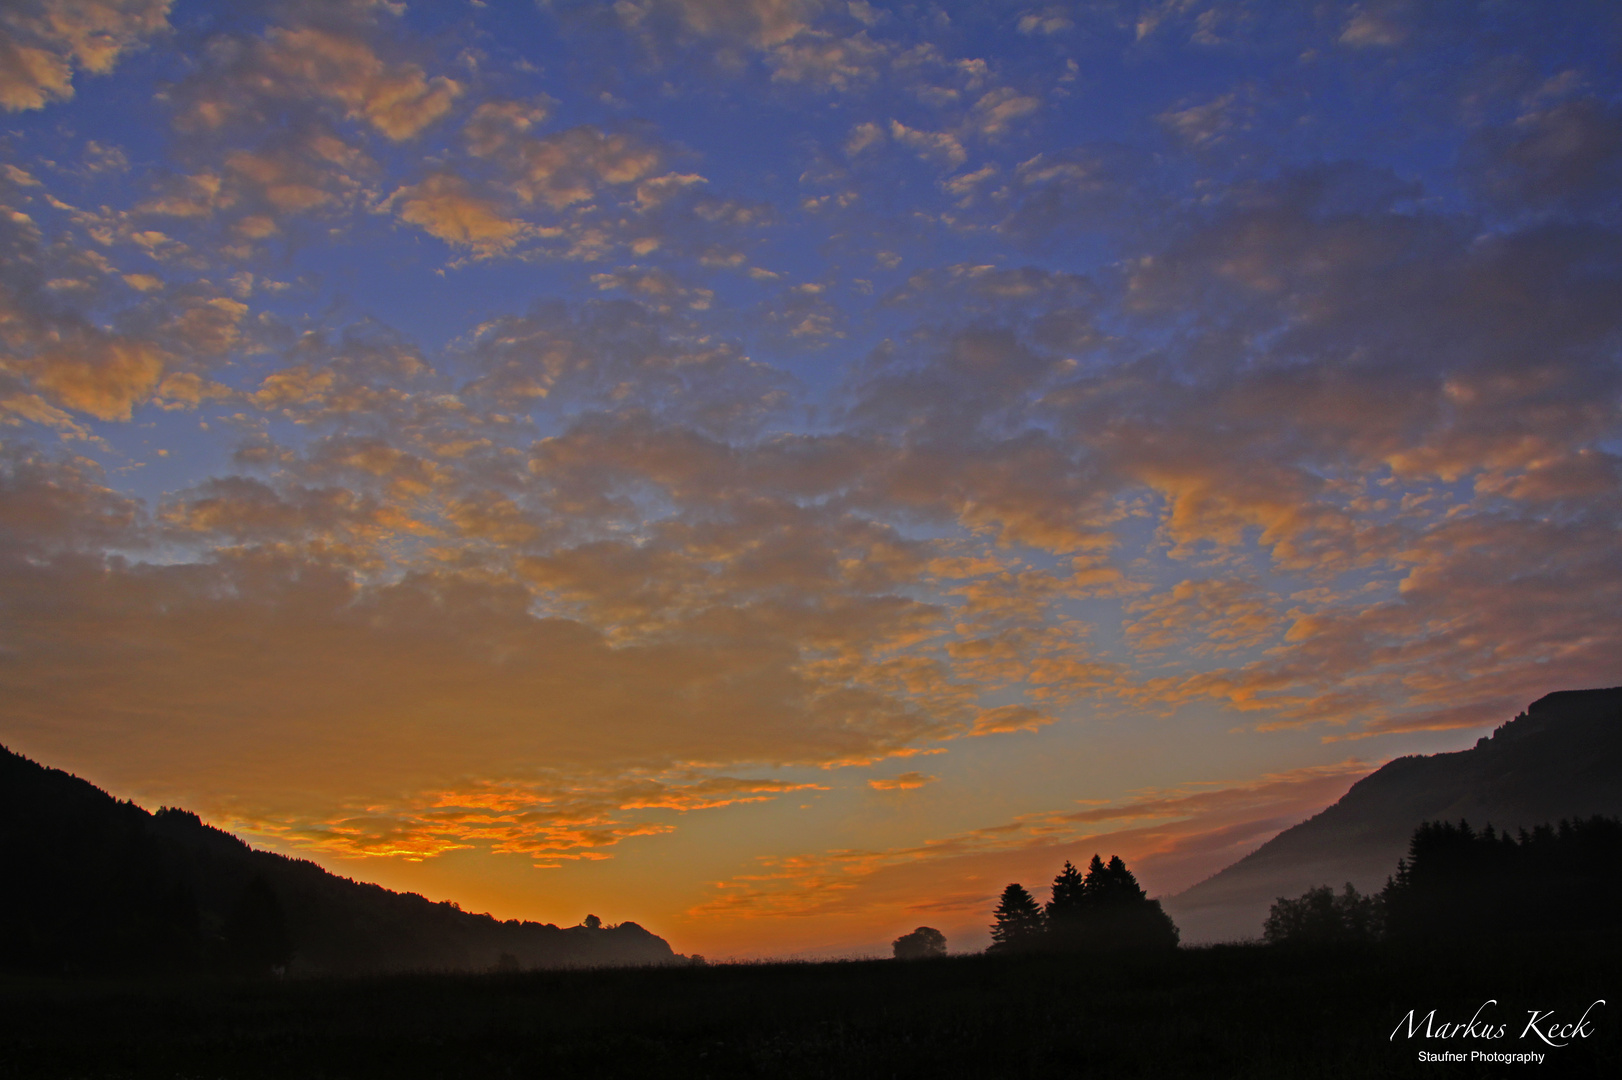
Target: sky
<point>780,470</point>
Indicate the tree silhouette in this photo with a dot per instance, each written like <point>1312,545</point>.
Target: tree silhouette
<point>1320,918</point>
<point>1460,885</point>
<point>1114,913</point>
<point>1019,924</point>
<point>1066,904</point>
<point>922,944</point>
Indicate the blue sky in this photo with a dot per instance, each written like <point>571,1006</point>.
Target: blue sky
<point>778,469</point>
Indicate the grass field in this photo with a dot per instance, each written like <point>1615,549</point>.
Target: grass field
<point>1217,1012</point>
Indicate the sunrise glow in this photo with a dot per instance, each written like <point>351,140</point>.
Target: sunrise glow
<point>781,470</point>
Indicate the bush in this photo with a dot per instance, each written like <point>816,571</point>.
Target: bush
<point>1319,917</point>
<point>922,944</point>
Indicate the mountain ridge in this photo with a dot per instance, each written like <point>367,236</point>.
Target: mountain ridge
<point>101,885</point>
<point>1560,758</point>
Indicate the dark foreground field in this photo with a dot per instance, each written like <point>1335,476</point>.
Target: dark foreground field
<point>1222,1012</point>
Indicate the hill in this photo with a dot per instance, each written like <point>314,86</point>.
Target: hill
<point>95,885</point>
<point>1561,758</point>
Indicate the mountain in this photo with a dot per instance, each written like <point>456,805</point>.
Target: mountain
<point>1561,758</point>
<point>95,885</point>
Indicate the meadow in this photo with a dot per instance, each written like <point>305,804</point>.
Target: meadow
<point>1225,1011</point>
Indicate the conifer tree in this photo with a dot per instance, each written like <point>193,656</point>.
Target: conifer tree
<point>1066,893</point>
<point>1095,887</point>
<point>1019,922</point>
<point>1065,909</point>
<point>1115,913</point>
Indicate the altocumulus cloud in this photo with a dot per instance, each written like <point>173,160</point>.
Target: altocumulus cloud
<point>418,442</point>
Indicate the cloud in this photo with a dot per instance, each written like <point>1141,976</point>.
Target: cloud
<point>698,465</point>
<point>1204,616</point>
<point>447,207</point>
<point>398,99</point>
<point>657,288</point>
<point>1567,156</point>
<point>1171,838</point>
<point>325,57</point>
<point>550,822</point>
<point>103,376</point>
<point>828,61</point>
<point>566,168</point>
<point>53,503</point>
<point>997,109</point>
<point>42,41</point>
<point>1203,125</point>
<point>58,359</point>
<point>578,193</point>
<point>940,145</point>
<point>243,509</point>
<point>1374,27</point>
<point>623,355</point>
<point>495,123</point>
<point>1045,21</point>
<point>907,781</point>
<point>1097,187</point>
<point>1007,719</point>
<point>762,23</point>
<point>863,136</point>
<point>258,653</point>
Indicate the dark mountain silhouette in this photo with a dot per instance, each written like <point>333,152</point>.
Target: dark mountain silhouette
<point>1561,758</point>
<point>89,884</point>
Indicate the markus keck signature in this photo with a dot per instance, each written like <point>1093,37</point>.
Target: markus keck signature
<point>1545,1026</point>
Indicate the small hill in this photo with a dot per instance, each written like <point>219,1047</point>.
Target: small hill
<point>1561,758</point>
<point>95,885</point>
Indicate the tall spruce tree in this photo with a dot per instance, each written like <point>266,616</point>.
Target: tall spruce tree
<point>1116,914</point>
<point>1066,908</point>
<point>1019,924</point>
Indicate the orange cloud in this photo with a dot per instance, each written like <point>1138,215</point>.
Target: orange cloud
<point>41,41</point>
<point>907,781</point>
<point>447,207</point>
<point>1006,719</point>
<point>549,823</point>
<point>100,375</point>
<point>1215,615</point>
<point>762,23</point>
<point>398,99</point>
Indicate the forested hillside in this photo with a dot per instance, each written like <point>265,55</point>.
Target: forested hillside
<point>1561,758</point>
<point>95,885</point>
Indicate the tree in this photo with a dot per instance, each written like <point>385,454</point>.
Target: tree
<point>1019,924</point>
<point>1460,885</point>
<point>1114,913</point>
<point>922,944</point>
<point>1318,917</point>
<point>1065,902</point>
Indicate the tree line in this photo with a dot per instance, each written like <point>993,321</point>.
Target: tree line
<point>1103,910</point>
<point>1457,885</point>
